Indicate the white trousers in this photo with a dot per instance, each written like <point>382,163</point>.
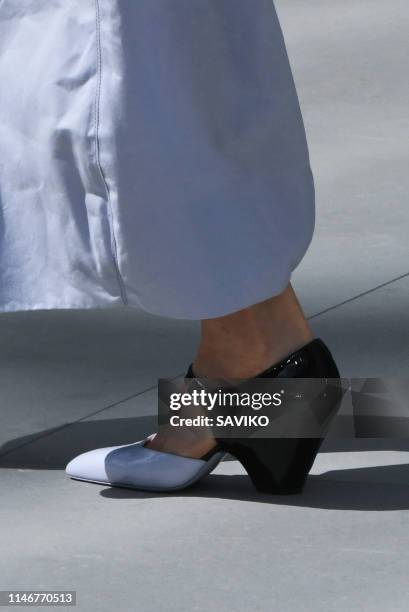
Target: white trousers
<point>152,153</point>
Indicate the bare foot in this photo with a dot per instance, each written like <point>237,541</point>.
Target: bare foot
<point>186,443</point>
<point>192,442</point>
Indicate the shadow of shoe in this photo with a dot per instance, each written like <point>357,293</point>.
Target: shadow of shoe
<point>377,488</point>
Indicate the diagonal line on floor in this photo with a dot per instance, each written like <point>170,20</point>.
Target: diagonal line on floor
<point>83,418</point>
<point>356,297</point>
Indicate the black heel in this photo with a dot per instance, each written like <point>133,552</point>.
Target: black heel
<point>281,465</point>
<point>276,466</point>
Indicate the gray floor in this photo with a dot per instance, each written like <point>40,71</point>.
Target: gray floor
<point>71,381</point>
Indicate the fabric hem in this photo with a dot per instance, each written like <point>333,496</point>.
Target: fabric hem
<point>166,313</point>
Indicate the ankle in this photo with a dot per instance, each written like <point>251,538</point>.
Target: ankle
<point>246,342</point>
<point>247,361</point>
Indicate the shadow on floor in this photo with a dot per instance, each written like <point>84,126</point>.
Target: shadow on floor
<point>51,449</point>
<point>350,489</point>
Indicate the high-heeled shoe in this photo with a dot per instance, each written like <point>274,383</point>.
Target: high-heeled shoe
<point>281,465</point>
<point>274,465</point>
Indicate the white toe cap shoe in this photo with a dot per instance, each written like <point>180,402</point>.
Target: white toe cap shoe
<point>138,467</point>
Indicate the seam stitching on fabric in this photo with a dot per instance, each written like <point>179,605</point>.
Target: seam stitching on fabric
<point>114,248</point>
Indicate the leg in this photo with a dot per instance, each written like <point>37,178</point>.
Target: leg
<point>241,345</point>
